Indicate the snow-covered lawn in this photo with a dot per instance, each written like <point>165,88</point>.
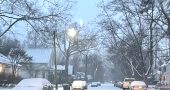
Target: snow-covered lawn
<point>2,88</point>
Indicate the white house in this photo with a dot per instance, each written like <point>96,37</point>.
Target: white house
<point>42,65</point>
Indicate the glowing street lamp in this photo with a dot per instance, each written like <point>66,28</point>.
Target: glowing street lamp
<point>72,32</point>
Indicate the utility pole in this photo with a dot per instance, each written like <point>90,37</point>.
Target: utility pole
<point>55,61</point>
<point>86,68</point>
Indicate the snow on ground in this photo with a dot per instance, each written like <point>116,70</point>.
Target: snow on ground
<point>1,88</point>
<point>106,86</point>
<point>110,86</point>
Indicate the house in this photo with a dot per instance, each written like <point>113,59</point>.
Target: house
<point>165,75</point>
<point>34,70</point>
<point>42,65</point>
<point>5,68</point>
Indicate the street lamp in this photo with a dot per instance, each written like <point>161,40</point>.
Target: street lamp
<point>71,32</point>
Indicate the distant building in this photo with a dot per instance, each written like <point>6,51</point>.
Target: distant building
<point>158,72</point>
<point>165,76</point>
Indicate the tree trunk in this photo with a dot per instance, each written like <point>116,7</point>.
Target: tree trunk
<point>13,74</point>
<point>66,68</point>
<point>145,79</point>
<point>151,44</point>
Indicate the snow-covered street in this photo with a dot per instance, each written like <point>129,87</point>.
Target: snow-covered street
<point>107,86</point>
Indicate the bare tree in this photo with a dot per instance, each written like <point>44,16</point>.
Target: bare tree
<point>17,56</point>
<point>129,36</point>
<point>31,12</point>
<point>71,46</point>
<point>68,46</point>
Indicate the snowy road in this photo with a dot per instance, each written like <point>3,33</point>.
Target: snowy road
<point>110,86</point>
<point>107,86</point>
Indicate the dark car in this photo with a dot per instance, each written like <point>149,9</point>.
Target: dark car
<point>116,83</point>
<point>99,83</point>
<point>94,84</point>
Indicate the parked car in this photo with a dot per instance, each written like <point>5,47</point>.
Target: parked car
<point>116,83</point>
<point>79,84</point>
<point>85,84</point>
<point>98,83</point>
<point>94,84</point>
<point>34,84</point>
<point>138,85</point>
<point>119,84</point>
<point>127,82</point>
<point>60,87</point>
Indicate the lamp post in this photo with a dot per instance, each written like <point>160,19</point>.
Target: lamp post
<point>72,32</point>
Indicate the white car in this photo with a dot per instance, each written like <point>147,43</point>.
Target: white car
<point>127,82</point>
<point>78,84</point>
<point>138,85</point>
<point>60,87</point>
<point>85,84</point>
<point>33,84</point>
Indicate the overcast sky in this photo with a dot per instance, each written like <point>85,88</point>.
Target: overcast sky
<point>84,11</point>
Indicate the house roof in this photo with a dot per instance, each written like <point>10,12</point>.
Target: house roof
<point>39,55</point>
<point>4,59</point>
<point>44,66</point>
<point>43,55</point>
